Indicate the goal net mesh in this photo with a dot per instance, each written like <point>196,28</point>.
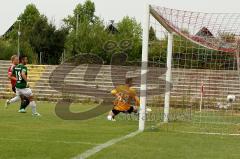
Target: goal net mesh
<point>205,71</point>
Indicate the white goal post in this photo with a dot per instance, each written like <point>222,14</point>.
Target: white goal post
<point>144,68</point>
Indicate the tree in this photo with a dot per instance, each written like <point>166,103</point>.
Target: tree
<point>27,19</point>
<point>45,38</point>
<point>152,34</point>
<point>90,39</point>
<point>40,34</point>
<point>7,49</point>
<point>91,34</point>
<point>37,35</point>
<point>85,13</point>
<point>130,29</point>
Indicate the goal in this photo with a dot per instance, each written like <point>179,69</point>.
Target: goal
<point>198,57</point>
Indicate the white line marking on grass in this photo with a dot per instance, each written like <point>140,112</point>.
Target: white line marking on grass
<point>200,133</point>
<point>47,141</point>
<point>109,143</point>
<point>206,133</point>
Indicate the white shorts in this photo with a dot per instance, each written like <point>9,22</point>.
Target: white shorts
<point>27,92</point>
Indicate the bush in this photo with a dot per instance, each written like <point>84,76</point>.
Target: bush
<point>7,50</point>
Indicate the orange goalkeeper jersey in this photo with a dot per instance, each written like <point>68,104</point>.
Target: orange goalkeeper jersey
<point>124,96</point>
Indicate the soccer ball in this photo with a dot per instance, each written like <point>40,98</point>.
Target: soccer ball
<point>231,98</point>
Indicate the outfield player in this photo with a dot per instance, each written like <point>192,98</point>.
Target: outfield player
<point>124,94</point>
<point>24,100</point>
<point>20,72</point>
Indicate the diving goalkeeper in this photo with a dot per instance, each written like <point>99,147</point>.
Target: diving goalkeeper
<point>124,94</point>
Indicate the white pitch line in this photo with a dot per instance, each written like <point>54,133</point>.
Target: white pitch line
<point>100,147</point>
<point>200,133</point>
<point>206,133</point>
<point>57,141</point>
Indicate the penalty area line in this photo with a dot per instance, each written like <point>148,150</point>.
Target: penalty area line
<point>100,147</point>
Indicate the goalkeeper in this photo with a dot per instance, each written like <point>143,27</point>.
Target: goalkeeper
<point>124,94</point>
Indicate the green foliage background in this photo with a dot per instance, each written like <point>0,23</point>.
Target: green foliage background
<point>39,35</point>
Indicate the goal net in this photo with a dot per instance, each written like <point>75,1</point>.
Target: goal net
<point>195,58</point>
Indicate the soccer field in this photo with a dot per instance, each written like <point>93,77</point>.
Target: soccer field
<point>23,137</point>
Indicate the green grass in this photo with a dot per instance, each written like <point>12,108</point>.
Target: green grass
<point>49,137</point>
<point>166,145</point>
